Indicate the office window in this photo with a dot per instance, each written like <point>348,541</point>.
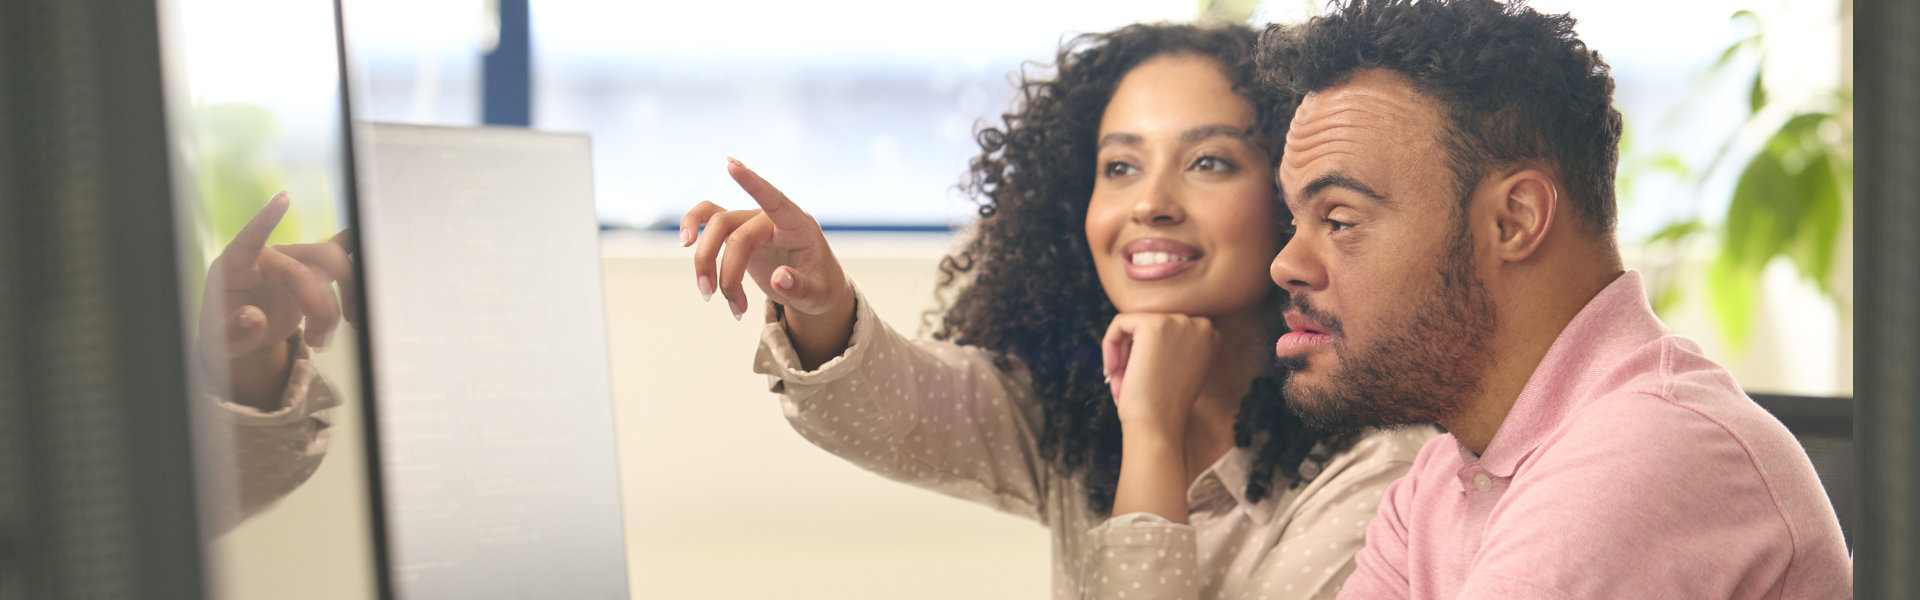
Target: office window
<point>417,61</point>
<point>862,110</point>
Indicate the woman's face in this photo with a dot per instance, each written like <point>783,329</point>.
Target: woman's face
<point>1182,218</point>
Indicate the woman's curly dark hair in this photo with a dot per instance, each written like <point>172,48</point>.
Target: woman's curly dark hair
<point>1024,285</point>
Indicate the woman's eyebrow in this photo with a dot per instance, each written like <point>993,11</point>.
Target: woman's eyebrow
<point>1206,131</point>
<point>1189,136</point>
<point>1128,139</point>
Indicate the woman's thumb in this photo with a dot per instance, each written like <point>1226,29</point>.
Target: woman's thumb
<point>788,287</point>
<point>246,330</point>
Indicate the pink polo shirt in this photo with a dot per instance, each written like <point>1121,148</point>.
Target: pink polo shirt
<point>1630,467</point>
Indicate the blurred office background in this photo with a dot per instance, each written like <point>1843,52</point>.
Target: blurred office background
<point>1736,198</point>
<point>863,111</point>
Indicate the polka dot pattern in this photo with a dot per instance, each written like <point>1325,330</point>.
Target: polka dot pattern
<point>943,417</point>
<point>273,452</point>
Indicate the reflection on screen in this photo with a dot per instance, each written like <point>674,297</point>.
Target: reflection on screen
<point>266,247</point>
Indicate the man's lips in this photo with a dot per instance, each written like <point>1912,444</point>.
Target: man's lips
<point>1157,258</point>
<point>1303,335</point>
<point>1299,322</point>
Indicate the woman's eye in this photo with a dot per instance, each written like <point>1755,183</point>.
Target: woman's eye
<point>1337,225</point>
<point>1212,163</point>
<point>1119,169</point>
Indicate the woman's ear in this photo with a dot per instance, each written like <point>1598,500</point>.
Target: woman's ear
<point>1529,201</point>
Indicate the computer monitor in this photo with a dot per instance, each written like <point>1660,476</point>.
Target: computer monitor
<point>496,391</point>
<point>96,472</point>
<point>265,212</point>
<point>136,140</point>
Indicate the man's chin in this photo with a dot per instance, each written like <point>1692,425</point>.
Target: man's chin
<point>1319,407</point>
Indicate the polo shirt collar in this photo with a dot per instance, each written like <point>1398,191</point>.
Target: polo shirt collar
<point>1615,321</point>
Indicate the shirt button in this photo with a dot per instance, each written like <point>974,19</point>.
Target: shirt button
<point>1481,481</point>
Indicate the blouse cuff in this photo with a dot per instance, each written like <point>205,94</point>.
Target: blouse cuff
<point>1141,555</point>
<point>780,362</point>
<point>306,393</point>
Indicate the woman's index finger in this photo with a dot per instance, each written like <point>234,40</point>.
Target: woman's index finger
<point>778,208</point>
<point>246,245</point>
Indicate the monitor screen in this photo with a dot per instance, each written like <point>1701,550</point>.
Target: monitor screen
<point>265,212</point>
<point>496,408</point>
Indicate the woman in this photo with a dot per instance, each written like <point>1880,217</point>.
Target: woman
<point>1102,364</point>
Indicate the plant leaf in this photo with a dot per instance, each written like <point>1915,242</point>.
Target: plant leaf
<point>1677,232</point>
<point>1802,124</point>
<point>1819,228</point>
<point>1762,215</point>
<point>1670,162</point>
<point>1732,290</point>
<point>1726,56</point>
<point>1750,40</point>
<point>1665,298</point>
<point>1798,141</point>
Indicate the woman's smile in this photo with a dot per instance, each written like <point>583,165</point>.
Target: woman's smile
<point>1149,259</point>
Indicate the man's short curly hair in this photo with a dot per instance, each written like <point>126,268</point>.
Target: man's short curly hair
<point>1517,84</point>
<point>1024,286</point>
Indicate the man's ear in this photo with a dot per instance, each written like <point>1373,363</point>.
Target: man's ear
<point>1529,201</point>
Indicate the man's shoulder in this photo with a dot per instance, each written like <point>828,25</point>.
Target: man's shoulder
<point>1682,432</point>
<point>1680,454</point>
<point>1670,398</point>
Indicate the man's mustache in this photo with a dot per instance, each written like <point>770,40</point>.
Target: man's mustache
<point>1326,320</point>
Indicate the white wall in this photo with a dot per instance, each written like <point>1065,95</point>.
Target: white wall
<point>724,500</point>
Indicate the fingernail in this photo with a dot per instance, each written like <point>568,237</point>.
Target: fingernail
<point>735,161</point>
<point>706,288</point>
<point>739,309</point>
<point>783,279</point>
<point>686,237</point>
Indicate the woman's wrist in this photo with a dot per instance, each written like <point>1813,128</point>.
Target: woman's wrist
<point>819,338</point>
<point>259,379</point>
<point>1153,427</point>
<point>1153,477</point>
<point>1156,442</point>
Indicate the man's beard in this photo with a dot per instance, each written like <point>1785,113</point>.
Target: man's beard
<point>1424,371</point>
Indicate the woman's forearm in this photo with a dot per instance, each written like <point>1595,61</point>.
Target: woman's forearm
<point>1153,474</point>
<point>820,338</point>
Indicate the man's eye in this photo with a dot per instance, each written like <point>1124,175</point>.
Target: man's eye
<point>1119,169</point>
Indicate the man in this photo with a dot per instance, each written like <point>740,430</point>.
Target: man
<point>1450,173</point>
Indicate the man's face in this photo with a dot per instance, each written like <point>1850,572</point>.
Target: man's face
<point>1389,322</point>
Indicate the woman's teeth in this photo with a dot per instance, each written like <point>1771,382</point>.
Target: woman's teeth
<point>1154,258</point>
